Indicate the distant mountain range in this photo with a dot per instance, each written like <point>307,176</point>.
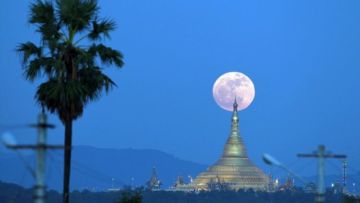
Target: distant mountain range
<point>99,169</point>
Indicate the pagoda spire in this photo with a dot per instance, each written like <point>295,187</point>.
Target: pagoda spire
<point>234,146</point>
<point>235,105</point>
<point>235,119</point>
<point>154,182</point>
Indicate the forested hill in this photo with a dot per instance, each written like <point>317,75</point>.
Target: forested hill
<point>95,168</point>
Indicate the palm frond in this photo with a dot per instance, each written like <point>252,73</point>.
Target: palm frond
<point>60,97</point>
<point>43,14</point>
<point>85,59</point>
<point>95,82</point>
<point>38,65</point>
<point>33,69</point>
<point>73,78</point>
<point>50,33</point>
<point>50,66</point>
<point>101,28</point>
<point>77,14</point>
<point>28,50</point>
<point>107,54</point>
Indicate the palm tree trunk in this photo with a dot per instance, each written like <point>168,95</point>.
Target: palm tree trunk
<point>67,159</point>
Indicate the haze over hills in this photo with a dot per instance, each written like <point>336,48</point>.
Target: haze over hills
<point>98,169</point>
<point>94,168</point>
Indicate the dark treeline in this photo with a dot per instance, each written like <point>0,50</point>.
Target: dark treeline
<point>11,193</point>
<point>295,196</point>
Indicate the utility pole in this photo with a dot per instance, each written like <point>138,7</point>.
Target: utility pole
<point>344,174</point>
<point>321,154</point>
<point>40,147</point>
<point>41,158</point>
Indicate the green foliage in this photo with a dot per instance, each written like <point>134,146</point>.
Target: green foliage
<point>295,196</point>
<point>73,76</point>
<point>16,194</point>
<point>101,27</point>
<point>77,14</point>
<point>351,199</point>
<point>131,197</point>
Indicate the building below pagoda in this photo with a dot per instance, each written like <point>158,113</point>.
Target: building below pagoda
<point>234,170</point>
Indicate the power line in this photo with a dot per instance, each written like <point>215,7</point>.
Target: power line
<point>14,126</point>
<point>86,171</point>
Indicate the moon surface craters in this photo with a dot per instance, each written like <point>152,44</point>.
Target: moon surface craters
<point>231,85</point>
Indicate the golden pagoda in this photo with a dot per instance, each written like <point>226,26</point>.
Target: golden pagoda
<point>233,170</point>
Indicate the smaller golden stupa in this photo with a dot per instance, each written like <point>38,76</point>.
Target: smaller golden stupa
<point>233,170</point>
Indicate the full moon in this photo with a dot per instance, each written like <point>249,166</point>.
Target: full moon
<point>233,85</point>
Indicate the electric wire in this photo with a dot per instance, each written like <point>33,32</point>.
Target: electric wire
<point>14,126</point>
<point>86,171</point>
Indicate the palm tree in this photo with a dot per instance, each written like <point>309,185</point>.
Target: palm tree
<point>71,57</point>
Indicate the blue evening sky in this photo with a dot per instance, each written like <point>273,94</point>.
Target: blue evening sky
<point>303,57</point>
